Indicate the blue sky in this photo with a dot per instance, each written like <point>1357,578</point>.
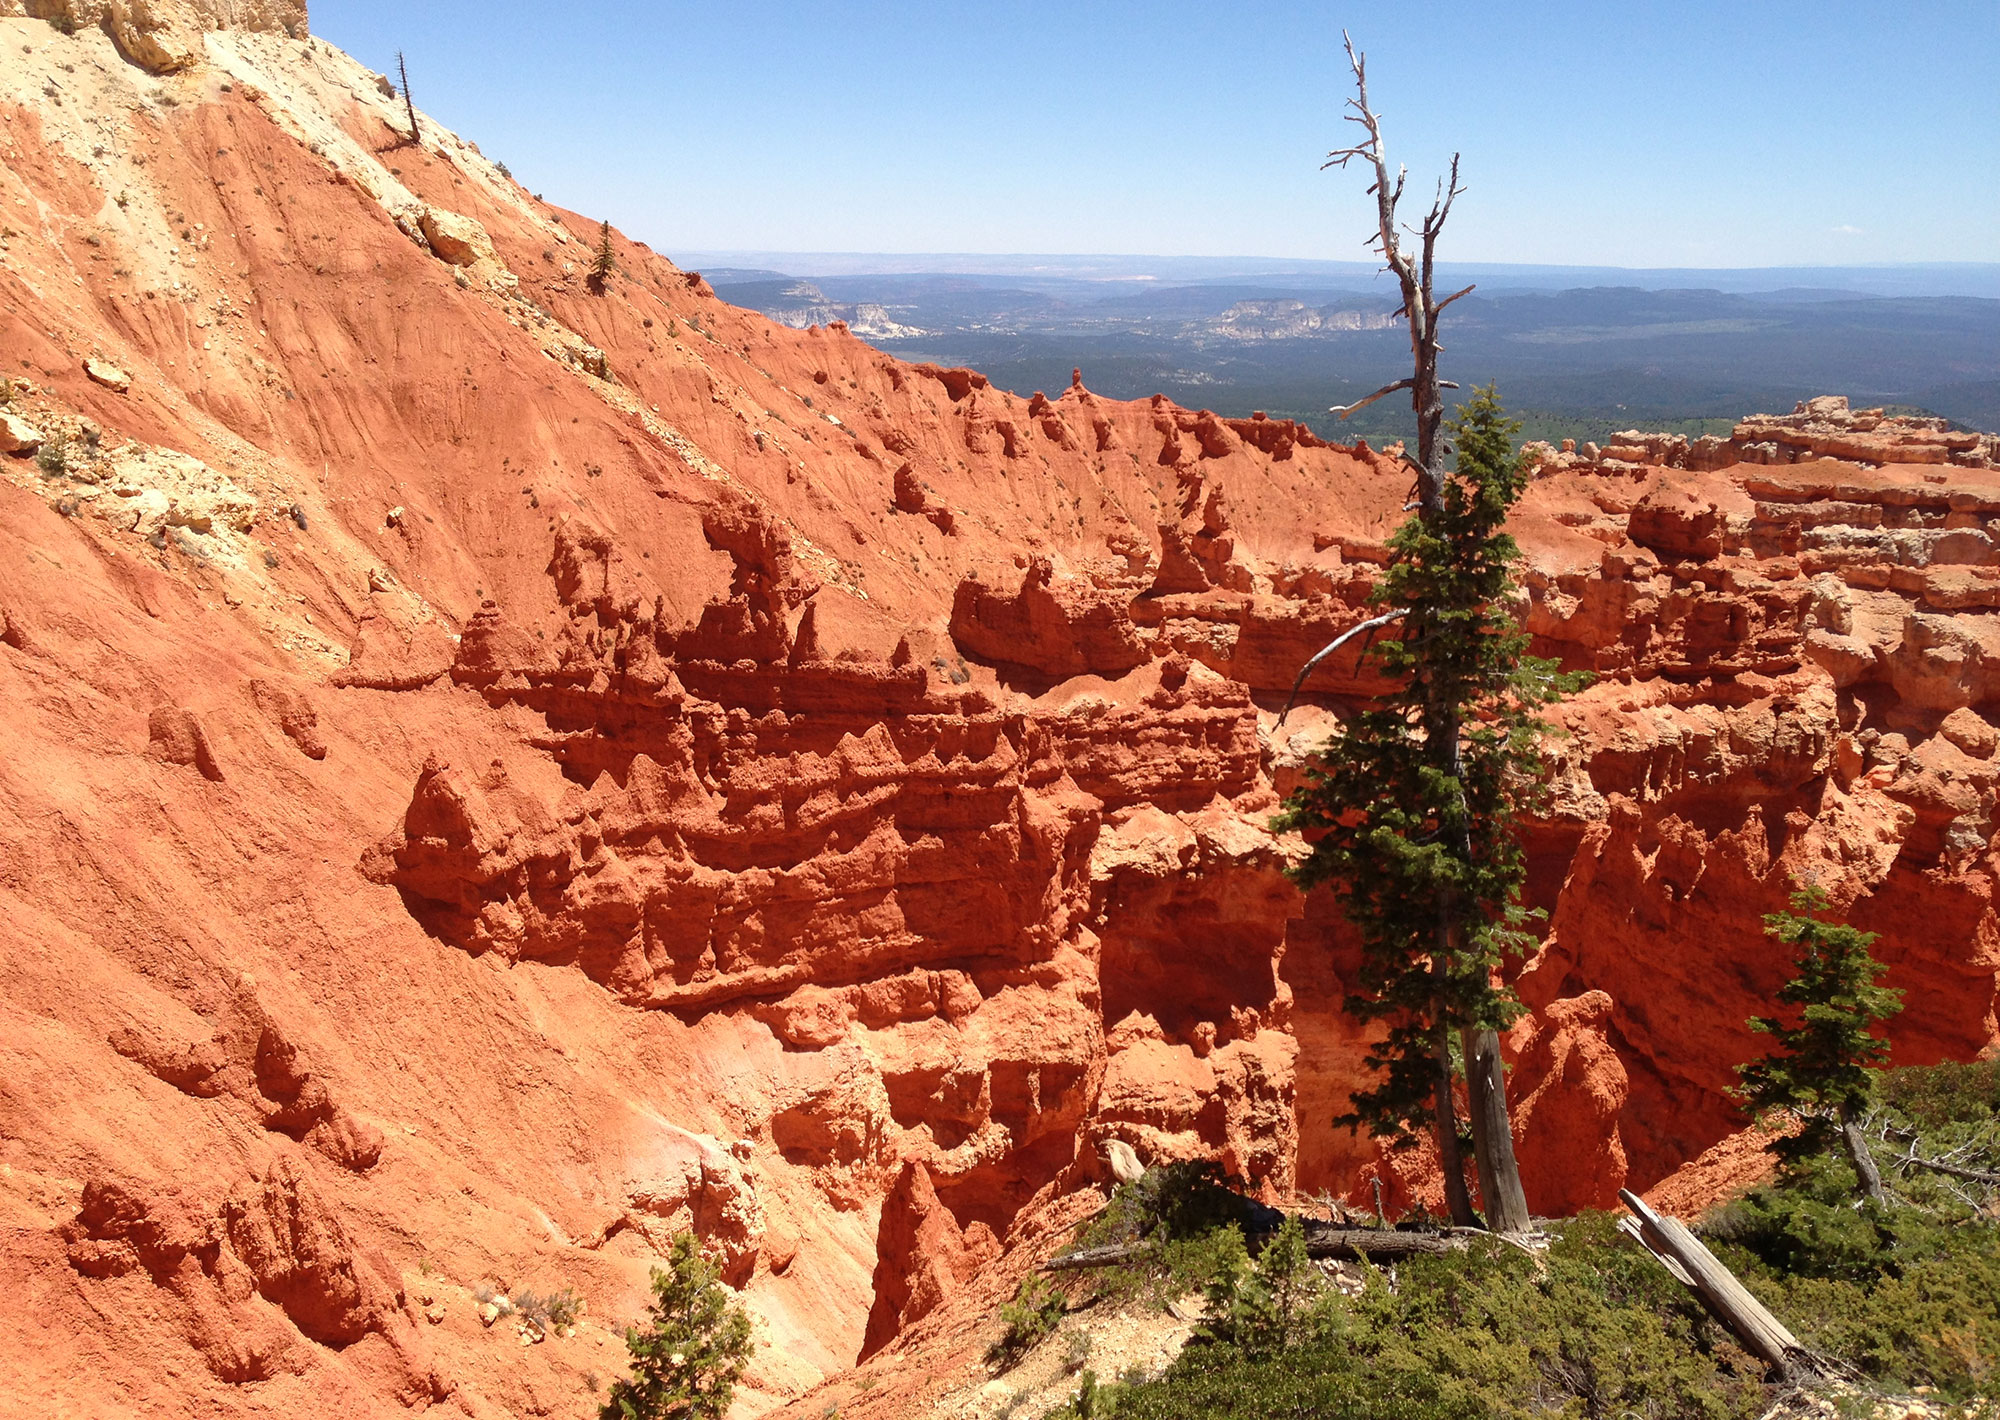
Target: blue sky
<point>1619,132</point>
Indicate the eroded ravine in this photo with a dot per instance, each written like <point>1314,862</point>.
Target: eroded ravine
<point>499,773</point>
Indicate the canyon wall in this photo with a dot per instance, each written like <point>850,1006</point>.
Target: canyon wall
<point>502,769</point>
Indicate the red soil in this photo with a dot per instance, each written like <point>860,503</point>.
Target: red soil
<point>497,773</point>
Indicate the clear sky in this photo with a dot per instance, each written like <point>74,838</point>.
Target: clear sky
<point>1594,132</point>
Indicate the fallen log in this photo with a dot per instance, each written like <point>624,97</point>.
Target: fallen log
<point>1375,1244</point>
<point>1345,1244</point>
<point>1725,1298</point>
<point>1109,1256</point>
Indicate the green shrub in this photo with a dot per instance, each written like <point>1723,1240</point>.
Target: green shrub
<point>565,1308</point>
<point>1909,1293</point>
<point>1810,1227</point>
<point>1594,1327</point>
<point>1324,1382</point>
<point>1901,1294</point>
<point>1036,1311</point>
<point>1186,1222</point>
<point>553,1311</point>
<point>1172,1203</point>
<point>1934,1321</point>
<point>1932,1096</point>
<point>54,457</point>
<point>1267,1307</point>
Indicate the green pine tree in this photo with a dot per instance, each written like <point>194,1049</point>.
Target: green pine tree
<point>687,1359</point>
<point>1822,1069</point>
<point>1413,811</point>
<point>605,264</point>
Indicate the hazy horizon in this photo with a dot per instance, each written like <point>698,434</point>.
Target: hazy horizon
<point>1972,279</point>
<point>1710,135</point>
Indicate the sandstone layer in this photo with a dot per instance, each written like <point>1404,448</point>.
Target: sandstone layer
<point>499,772</point>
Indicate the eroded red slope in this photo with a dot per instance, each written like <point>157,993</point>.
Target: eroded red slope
<point>499,771</point>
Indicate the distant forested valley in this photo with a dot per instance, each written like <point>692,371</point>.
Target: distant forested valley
<point>1572,360</point>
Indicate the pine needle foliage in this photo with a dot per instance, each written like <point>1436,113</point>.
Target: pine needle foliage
<point>694,1348</point>
<point>1265,1308</point>
<point>1034,1314</point>
<point>604,265</point>
<point>1413,811</point>
<point>1827,1052</point>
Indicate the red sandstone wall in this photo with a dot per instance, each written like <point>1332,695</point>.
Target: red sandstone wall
<point>497,773</point>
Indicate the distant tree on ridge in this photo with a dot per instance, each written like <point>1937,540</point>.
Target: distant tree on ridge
<point>605,263</point>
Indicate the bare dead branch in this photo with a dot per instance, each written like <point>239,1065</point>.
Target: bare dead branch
<point>1915,1160</point>
<point>1343,410</point>
<point>1373,624</point>
<point>1440,307</point>
<point>1413,269</point>
<point>1076,1223</point>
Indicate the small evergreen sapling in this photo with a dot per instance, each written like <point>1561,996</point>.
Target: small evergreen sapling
<point>1036,1311</point>
<point>1264,1309</point>
<point>1821,1070</point>
<point>604,265</point>
<point>687,1359</point>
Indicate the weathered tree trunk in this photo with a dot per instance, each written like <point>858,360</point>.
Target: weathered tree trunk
<point>1500,1189</point>
<point>1376,1245</point>
<point>1493,1134</point>
<point>1427,399</point>
<point>1457,1199</point>
<point>1716,1287</point>
<point>1861,1156</point>
<point>1347,1244</point>
<point>1441,735</point>
<point>409,104</point>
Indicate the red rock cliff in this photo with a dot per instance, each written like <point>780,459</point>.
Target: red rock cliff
<point>499,772</point>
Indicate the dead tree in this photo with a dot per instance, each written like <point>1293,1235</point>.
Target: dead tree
<point>1345,1244</point>
<point>1420,306</point>
<point>1723,1296</point>
<point>1493,1139</point>
<point>409,104</point>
